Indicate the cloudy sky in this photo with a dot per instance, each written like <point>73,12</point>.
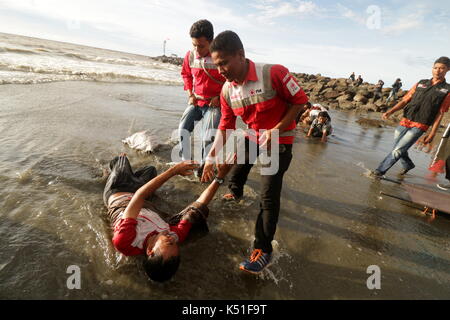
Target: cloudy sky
<point>377,39</point>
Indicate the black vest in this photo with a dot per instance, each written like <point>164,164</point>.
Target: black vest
<point>426,102</point>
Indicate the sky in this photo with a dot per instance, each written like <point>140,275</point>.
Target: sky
<point>377,39</point>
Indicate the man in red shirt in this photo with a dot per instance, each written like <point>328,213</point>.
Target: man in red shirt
<point>424,106</point>
<point>203,83</point>
<point>138,228</point>
<point>268,99</point>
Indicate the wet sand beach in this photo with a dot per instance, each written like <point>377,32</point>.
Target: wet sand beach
<point>56,139</point>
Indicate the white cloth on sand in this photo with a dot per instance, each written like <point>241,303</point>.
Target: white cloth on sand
<point>142,141</point>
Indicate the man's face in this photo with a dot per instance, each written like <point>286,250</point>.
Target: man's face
<point>439,71</point>
<point>165,243</point>
<point>229,66</point>
<point>201,45</point>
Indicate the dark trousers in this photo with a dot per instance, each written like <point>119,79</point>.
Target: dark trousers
<point>122,178</point>
<point>271,185</point>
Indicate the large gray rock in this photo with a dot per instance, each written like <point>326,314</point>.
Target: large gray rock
<point>346,105</point>
<point>370,107</point>
<point>360,98</point>
<point>318,87</point>
<point>332,94</point>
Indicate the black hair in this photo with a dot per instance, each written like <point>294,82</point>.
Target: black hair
<point>227,42</point>
<point>324,114</point>
<point>308,105</point>
<point>202,28</point>
<point>161,270</point>
<point>443,60</point>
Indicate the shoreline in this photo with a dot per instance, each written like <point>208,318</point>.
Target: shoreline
<point>340,94</point>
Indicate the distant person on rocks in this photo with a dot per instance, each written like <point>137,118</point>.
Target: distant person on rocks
<point>378,90</point>
<point>359,81</point>
<point>395,88</point>
<point>352,77</point>
<point>203,83</point>
<point>424,106</point>
<point>321,127</point>
<point>138,228</point>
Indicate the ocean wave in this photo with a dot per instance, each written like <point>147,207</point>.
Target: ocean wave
<point>27,61</point>
<point>17,50</point>
<point>34,78</point>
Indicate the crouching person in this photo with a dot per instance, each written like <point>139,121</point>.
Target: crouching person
<point>321,127</point>
<point>138,228</point>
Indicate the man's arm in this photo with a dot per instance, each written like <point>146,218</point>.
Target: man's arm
<point>209,193</point>
<point>283,124</point>
<point>227,124</point>
<point>137,201</point>
<point>324,135</point>
<point>188,79</point>
<point>437,122</point>
<point>401,104</point>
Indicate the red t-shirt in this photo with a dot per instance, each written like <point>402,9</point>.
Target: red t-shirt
<point>199,82</point>
<point>131,235</point>
<point>263,115</point>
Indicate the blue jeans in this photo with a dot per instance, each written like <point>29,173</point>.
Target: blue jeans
<point>192,114</point>
<point>404,138</point>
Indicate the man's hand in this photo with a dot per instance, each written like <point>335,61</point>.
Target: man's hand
<point>185,168</point>
<point>428,138</point>
<point>192,100</point>
<point>208,171</point>
<point>386,115</point>
<point>224,168</point>
<point>423,146</point>
<point>265,139</point>
<point>215,102</point>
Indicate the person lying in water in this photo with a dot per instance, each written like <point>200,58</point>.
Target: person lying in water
<point>138,228</point>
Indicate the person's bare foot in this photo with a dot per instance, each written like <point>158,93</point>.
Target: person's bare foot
<point>230,197</point>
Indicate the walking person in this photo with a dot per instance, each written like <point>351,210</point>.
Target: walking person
<point>424,107</point>
<point>266,97</point>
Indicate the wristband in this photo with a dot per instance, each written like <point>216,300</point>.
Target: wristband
<point>210,159</point>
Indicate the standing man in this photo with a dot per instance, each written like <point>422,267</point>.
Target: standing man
<point>266,97</point>
<point>395,88</point>
<point>203,83</point>
<point>424,105</point>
